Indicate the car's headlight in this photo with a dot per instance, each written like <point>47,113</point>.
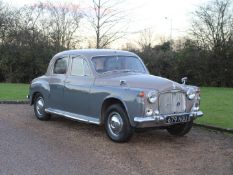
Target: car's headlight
<point>191,94</point>
<point>152,96</point>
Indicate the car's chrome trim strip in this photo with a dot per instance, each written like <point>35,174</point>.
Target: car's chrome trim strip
<point>73,116</point>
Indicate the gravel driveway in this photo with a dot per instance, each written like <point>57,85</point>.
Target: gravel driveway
<point>61,146</point>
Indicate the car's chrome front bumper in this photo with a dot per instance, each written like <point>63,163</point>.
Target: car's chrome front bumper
<point>160,120</point>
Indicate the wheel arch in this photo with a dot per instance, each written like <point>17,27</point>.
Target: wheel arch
<point>34,96</point>
<point>108,102</point>
<point>41,86</point>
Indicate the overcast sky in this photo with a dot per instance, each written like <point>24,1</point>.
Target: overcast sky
<point>158,15</point>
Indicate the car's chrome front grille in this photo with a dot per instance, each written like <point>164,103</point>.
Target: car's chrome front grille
<point>172,102</point>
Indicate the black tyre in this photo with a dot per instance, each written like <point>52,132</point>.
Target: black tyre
<point>117,124</point>
<point>180,129</point>
<point>39,108</point>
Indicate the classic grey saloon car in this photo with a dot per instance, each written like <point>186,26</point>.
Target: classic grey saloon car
<point>113,88</point>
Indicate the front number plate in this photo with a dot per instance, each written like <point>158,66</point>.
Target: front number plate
<point>177,119</point>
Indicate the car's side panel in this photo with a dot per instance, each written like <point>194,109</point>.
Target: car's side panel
<point>128,97</point>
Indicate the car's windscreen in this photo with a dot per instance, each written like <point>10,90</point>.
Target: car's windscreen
<point>104,64</point>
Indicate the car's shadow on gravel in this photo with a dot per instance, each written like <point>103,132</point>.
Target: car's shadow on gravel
<point>150,136</point>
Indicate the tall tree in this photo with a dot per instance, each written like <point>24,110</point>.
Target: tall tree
<point>212,24</point>
<point>146,39</point>
<point>106,20</point>
<point>61,21</point>
<point>212,28</point>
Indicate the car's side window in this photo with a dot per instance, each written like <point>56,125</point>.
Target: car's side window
<point>60,66</point>
<point>80,67</point>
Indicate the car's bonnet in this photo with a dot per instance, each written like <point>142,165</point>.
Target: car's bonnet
<point>143,81</point>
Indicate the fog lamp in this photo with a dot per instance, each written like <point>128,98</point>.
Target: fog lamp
<point>149,111</point>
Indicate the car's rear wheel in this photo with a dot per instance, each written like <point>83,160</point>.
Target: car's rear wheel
<point>180,129</point>
<point>117,124</point>
<point>39,108</point>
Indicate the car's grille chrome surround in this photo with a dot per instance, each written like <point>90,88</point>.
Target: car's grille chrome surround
<point>172,102</point>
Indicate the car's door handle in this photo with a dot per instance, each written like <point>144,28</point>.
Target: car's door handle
<point>67,81</point>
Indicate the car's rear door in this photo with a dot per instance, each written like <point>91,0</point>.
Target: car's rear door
<point>77,86</point>
<point>56,82</point>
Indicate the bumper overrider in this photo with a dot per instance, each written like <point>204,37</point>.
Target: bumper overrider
<point>161,120</point>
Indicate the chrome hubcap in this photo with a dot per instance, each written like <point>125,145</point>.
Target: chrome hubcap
<point>115,123</point>
<point>40,106</point>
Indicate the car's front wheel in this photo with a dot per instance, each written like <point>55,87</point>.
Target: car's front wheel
<point>180,129</point>
<point>117,124</point>
<point>39,108</point>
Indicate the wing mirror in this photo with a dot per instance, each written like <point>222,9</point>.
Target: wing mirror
<point>184,80</point>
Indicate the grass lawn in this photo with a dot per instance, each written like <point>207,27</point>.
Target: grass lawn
<point>11,91</point>
<point>216,103</point>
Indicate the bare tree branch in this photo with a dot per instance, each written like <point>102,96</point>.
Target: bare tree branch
<point>212,24</point>
<point>105,19</point>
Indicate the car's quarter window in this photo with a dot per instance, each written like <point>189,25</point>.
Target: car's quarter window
<point>79,67</point>
<point>60,66</point>
<point>118,63</point>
